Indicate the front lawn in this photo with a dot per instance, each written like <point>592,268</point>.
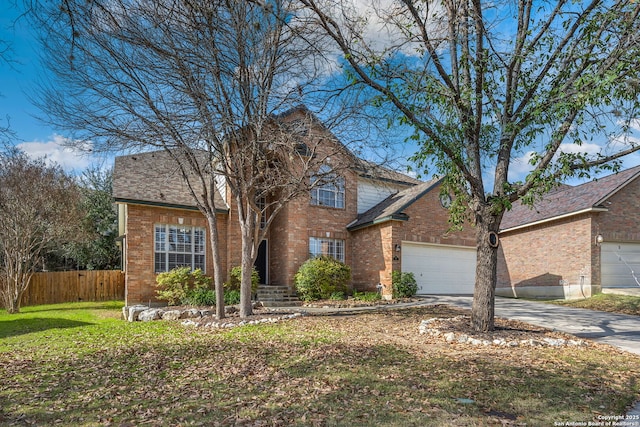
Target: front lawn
<point>612,303</point>
<point>79,364</point>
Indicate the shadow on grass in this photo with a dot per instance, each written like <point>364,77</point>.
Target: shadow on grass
<point>11,328</point>
<point>111,305</point>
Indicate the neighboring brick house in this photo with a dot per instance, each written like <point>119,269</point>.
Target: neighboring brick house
<point>374,219</point>
<point>574,242</point>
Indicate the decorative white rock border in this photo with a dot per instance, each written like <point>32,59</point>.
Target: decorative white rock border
<point>427,327</point>
<point>221,325</point>
<point>194,316</point>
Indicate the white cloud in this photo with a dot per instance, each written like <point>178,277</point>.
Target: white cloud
<point>57,150</point>
<point>385,24</point>
<point>586,147</point>
<point>623,142</point>
<point>520,167</point>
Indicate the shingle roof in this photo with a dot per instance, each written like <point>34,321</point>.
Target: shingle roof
<point>371,170</point>
<point>393,206</point>
<point>567,200</point>
<point>153,178</point>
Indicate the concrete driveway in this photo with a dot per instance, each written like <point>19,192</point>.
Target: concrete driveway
<point>618,330</point>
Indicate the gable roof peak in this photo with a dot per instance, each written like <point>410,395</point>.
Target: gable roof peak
<point>393,207</point>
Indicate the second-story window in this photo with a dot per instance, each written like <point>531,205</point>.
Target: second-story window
<point>261,202</point>
<point>328,188</point>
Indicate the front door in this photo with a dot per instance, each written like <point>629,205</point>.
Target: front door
<point>261,263</point>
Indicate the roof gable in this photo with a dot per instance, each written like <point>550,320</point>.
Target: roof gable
<point>393,207</point>
<point>567,200</point>
<point>300,120</point>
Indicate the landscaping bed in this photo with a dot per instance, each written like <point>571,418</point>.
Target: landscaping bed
<point>352,302</point>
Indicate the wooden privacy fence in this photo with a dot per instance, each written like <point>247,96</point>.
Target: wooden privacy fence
<point>69,286</point>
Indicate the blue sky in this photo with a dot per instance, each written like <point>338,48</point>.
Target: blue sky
<point>18,79</point>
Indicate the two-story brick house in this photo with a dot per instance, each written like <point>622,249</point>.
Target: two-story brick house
<point>374,219</point>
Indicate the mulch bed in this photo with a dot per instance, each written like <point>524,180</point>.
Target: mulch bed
<point>506,330</point>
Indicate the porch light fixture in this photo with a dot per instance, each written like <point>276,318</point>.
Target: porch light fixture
<point>397,247</point>
<point>599,239</point>
<point>180,221</point>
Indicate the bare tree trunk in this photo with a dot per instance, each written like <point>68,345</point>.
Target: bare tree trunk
<point>218,279</point>
<point>483,307</point>
<point>248,244</point>
<point>10,299</point>
<point>16,285</point>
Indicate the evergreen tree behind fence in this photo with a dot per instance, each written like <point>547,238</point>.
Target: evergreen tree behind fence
<point>69,286</point>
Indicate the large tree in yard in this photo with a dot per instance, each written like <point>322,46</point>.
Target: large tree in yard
<point>204,81</point>
<point>98,251</point>
<point>485,85</point>
<point>39,207</point>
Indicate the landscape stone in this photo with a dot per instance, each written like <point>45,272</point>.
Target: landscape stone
<point>134,312</point>
<point>149,315</point>
<point>171,315</point>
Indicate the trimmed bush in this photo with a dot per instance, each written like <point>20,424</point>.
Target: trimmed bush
<point>404,284</point>
<point>236,275</point>
<point>177,285</point>
<point>319,278</point>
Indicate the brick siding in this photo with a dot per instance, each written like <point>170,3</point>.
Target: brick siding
<point>556,254</point>
<point>139,247</point>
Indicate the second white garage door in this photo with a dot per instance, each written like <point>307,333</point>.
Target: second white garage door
<point>620,264</point>
<point>440,269</point>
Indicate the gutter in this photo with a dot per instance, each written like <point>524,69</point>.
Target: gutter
<point>165,205</point>
<point>392,217</point>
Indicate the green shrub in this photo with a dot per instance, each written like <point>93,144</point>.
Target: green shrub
<point>366,296</point>
<point>200,297</point>
<point>404,284</point>
<point>231,297</point>
<point>320,277</point>
<point>337,296</point>
<point>236,275</point>
<point>176,286</point>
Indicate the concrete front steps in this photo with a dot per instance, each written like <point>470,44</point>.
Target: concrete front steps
<point>278,296</point>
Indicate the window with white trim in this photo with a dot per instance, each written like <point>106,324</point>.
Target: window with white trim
<point>319,246</point>
<point>179,246</point>
<point>328,188</point>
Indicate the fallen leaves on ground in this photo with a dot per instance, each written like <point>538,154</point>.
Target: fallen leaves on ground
<point>364,369</point>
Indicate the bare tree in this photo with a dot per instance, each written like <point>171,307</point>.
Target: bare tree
<point>487,84</point>
<point>39,206</point>
<point>204,81</point>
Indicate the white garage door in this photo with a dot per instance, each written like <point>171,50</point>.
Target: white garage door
<point>620,265</point>
<point>440,269</point>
